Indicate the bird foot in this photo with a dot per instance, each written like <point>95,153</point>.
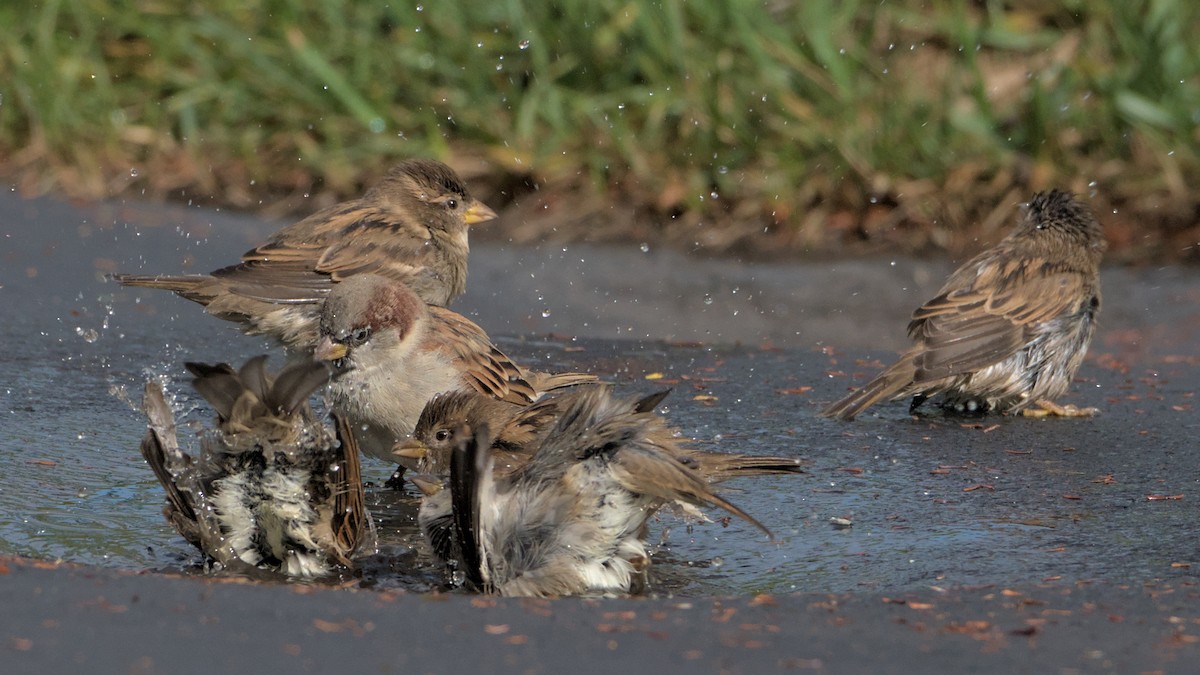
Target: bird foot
<point>1051,409</point>
<point>396,482</point>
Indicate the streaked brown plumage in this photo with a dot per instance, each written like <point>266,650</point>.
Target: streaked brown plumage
<point>411,227</point>
<point>399,352</point>
<point>1011,326</point>
<point>572,520</point>
<point>518,430</point>
<point>271,487</point>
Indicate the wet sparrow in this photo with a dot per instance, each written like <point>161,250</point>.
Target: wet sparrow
<point>272,487</point>
<point>516,431</point>
<point>411,227</point>
<point>397,353</point>
<point>573,519</point>
<point>1010,327</point>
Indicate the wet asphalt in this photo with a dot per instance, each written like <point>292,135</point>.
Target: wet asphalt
<point>993,544</point>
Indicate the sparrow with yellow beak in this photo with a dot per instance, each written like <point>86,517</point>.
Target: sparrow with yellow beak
<point>411,227</point>
<point>573,519</point>
<point>395,353</point>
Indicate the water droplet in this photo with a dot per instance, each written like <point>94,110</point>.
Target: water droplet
<point>546,313</point>
<point>420,8</point>
<point>523,44</point>
<point>645,247</point>
<point>133,173</point>
<point>89,335</point>
<point>708,300</point>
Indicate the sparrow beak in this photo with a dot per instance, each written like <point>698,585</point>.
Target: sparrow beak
<point>428,485</point>
<point>478,213</point>
<point>410,448</point>
<point>328,350</point>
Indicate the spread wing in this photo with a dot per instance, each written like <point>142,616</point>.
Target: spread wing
<point>351,523</point>
<point>470,471</point>
<point>160,448</point>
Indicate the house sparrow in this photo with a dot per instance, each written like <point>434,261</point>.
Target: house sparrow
<point>573,519</point>
<point>516,431</point>
<point>1010,327</point>
<point>272,487</point>
<point>397,353</point>
<point>411,227</point>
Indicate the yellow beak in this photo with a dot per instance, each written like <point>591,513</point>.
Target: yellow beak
<point>478,213</point>
<point>428,486</point>
<point>410,448</point>
<point>328,350</point>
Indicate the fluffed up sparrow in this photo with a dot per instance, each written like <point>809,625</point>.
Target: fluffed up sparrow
<point>1010,327</point>
<point>411,227</point>
<point>573,519</point>
<point>272,487</point>
<point>516,431</point>
<point>397,353</point>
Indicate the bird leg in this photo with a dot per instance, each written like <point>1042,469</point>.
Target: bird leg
<point>916,403</point>
<point>1051,409</point>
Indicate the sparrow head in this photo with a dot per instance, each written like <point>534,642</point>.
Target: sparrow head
<point>366,312</point>
<point>452,512</point>
<point>1056,216</point>
<point>433,439</point>
<point>431,189</point>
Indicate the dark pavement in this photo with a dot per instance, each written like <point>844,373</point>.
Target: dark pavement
<point>72,620</point>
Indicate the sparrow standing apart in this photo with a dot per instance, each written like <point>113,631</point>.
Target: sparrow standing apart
<point>573,519</point>
<point>395,353</point>
<point>516,431</point>
<point>1010,327</point>
<point>272,487</point>
<point>411,227</point>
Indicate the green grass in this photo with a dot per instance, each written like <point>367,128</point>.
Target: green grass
<point>895,122</point>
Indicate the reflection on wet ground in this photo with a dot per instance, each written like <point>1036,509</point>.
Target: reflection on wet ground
<point>933,501</point>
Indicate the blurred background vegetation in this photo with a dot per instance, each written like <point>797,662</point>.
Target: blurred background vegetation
<point>752,127</point>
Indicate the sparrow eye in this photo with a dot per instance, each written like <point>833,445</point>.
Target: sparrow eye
<point>359,336</point>
<point>452,203</point>
<point>442,434</point>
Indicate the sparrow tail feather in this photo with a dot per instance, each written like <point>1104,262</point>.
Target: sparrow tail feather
<point>886,385</point>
